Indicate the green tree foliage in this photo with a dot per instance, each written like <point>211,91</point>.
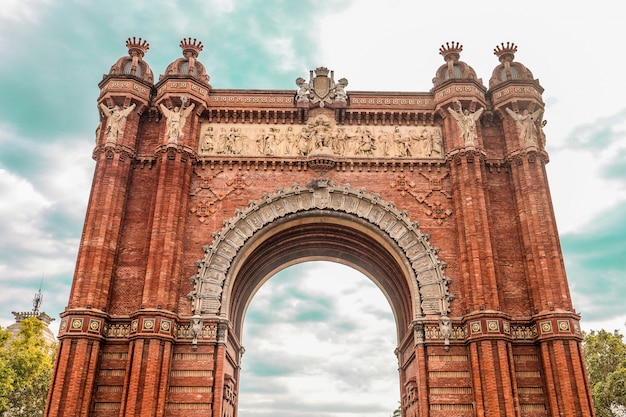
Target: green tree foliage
<point>25,370</point>
<point>605,356</point>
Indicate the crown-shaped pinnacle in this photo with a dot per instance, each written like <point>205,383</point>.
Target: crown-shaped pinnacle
<point>505,52</point>
<point>137,46</point>
<point>451,51</point>
<point>192,47</point>
<point>322,71</point>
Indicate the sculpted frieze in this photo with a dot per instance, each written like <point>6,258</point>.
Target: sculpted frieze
<point>320,136</point>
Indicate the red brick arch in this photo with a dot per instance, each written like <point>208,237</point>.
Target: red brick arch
<point>321,221</point>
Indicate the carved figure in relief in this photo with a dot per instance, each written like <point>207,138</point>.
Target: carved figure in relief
<point>287,142</point>
<point>365,144</point>
<point>527,125</point>
<point>207,144</point>
<point>323,136</point>
<point>415,143</point>
<point>384,146</point>
<point>116,120</point>
<point>176,120</point>
<point>222,141</point>
<point>302,95</point>
<point>426,142</point>
<point>436,144</point>
<point>234,142</point>
<point>401,142</point>
<point>467,122</point>
<point>339,144</point>
<point>266,141</point>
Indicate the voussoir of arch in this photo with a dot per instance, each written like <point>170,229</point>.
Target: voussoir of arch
<point>430,281</point>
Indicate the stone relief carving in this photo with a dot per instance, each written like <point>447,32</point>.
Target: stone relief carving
<point>527,125</point>
<point>467,122</point>
<point>116,120</point>
<point>213,269</point>
<point>320,136</point>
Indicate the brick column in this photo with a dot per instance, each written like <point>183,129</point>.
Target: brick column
<point>76,364</point>
<point>122,102</point>
<point>562,360</point>
<point>491,372</point>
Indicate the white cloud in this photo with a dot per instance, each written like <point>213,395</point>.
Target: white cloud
<point>23,11</point>
<point>21,207</point>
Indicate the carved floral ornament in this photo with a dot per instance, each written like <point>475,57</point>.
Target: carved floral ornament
<point>320,135</point>
<point>213,269</point>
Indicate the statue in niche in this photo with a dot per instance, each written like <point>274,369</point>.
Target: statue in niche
<point>116,120</point>
<point>467,122</point>
<point>176,120</point>
<point>526,125</point>
<point>302,96</point>
<point>340,90</point>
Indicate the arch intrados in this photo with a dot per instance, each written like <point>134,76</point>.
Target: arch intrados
<point>321,235</point>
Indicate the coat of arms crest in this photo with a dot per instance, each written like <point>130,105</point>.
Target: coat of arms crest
<point>321,88</point>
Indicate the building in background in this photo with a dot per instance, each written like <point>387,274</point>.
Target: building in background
<point>14,328</point>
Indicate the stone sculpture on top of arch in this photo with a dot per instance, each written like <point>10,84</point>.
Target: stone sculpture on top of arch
<point>213,270</point>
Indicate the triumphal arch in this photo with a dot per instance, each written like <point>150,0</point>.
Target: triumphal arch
<point>201,194</point>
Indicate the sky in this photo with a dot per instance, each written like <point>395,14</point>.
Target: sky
<point>54,53</point>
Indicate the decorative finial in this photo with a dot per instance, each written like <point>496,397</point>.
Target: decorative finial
<point>137,46</point>
<point>191,47</point>
<point>451,51</point>
<point>505,52</point>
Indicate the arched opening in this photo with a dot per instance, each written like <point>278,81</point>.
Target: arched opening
<point>321,339</point>
<point>321,222</point>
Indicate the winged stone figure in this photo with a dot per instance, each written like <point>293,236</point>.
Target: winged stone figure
<point>467,122</point>
<point>176,119</point>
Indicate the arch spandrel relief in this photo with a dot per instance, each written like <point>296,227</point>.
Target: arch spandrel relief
<point>430,282</point>
<point>321,135</point>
